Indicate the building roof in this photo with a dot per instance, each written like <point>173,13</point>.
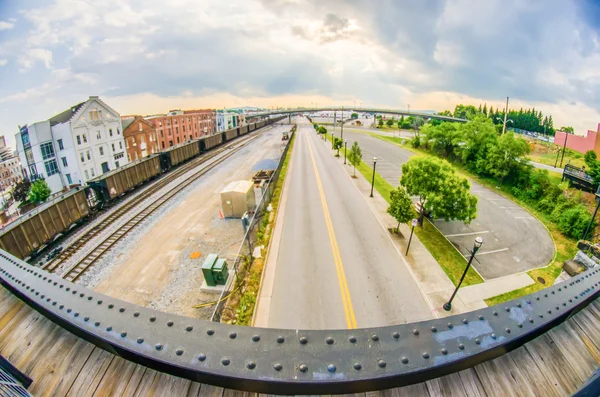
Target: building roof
<point>126,121</point>
<point>66,115</point>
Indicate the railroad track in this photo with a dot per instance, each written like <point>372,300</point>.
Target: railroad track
<point>78,269</point>
<point>68,252</point>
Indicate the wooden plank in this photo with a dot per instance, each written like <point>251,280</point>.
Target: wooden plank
<point>59,364</point>
<point>546,353</point>
<point>420,389</point>
<point>588,328</point>
<point>116,378</point>
<point>471,383</point>
<point>211,391</point>
<point>91,373</point>
<point>237,393</point>
<point>22,334</point>
<point>134,382</point>
<point>194,390</point>
<point>146,382</point>
<point>434,387</point>
<point>501,377</point>
<point>449,385</point>
<point>535,376</point>
<point>36,345</point>
<point>574,350</point>
<point>71,367</point>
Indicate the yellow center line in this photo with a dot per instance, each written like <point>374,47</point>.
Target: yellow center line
<point>337,258</point>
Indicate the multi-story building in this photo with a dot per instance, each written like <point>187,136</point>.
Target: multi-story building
<point>179,126</point>
<point>10,167</point>
<point>74,146</point>
<point>228,120</point>
<point>140,137</point>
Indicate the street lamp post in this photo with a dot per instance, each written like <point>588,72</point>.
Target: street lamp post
<point>373,179</point>
<point>504,122</point>
<point>342,126</point>
<point>345,149</point>
<point>478,241</point>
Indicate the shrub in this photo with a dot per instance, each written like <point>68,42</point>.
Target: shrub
<point>574,221</point>
<point>416,142</point>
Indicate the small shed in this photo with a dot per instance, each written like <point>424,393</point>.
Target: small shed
<point>238,198</point>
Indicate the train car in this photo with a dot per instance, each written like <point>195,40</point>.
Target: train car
<point>33,230</point>
<point>260,124</point>
<point>244,130</point>
<point>181,153</point>
<point>231,134</point>
<point>117,182</point>
<point>209,142</point>
<point>251,127</point>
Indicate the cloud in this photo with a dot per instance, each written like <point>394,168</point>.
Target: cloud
<point>3,62</point>
<point>6,25</point>
<point>32,56</point>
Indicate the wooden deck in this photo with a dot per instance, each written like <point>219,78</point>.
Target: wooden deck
<point>61,364</point>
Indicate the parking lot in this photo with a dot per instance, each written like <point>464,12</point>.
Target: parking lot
<point>513,240</point>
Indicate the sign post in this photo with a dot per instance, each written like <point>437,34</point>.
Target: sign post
<point>414,223</point>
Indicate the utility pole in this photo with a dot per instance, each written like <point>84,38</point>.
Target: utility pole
<point>342,134</point>
<point>505,116</point>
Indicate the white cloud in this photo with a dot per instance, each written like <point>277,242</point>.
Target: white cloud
<point>3,62</point>
<point>34,55</point>
<point>6,25</point>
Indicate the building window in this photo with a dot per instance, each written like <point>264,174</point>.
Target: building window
<point>88,155</point>
<point>119,156</point>
<point>98,135</point>
<point>82,158</point>
<point>69,179</point>
<point>120,145</point>
<point>60,144</point>
<point>177,130</point>
<point>87,176</point>
<point>47,150</point>
<point>163,145</point>
<point>110,131</point>
<point>101,149</point>
<point>142,139</point>
<point>64,161</point>
<point>139,126</point>
<point>133,143</point>
<point>118,132</point>
<point>161,134</point>
<point>160,123</point>
<point>51,167</point>
<point>93,173</point>
<point>183,128</point>
<point>84,138</point>
<point>127,144</point>
<point>113,147</point>
<point>177,139</point>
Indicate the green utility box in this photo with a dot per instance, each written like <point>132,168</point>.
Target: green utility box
<point>220,272</point>
<point>215,271</point>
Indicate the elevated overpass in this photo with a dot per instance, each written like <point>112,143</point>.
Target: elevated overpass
<point>74,341</point>
<point>396,112</point>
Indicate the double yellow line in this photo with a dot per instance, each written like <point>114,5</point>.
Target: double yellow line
<point>337,258</point>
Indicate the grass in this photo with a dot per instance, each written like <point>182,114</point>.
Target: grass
<point>247,302</point>
<point>545,153</point>
<point>449,259</point>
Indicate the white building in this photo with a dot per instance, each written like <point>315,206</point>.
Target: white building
<point>228,120</point>
<point>74,146</point>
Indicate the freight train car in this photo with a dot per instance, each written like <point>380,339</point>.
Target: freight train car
<point>117,182</point>
<point>251,127</point>
<point>181,153</point>
<point>231,134</point>
<point>210,142</point>
<point>244,130</point>
<point>35,229</point>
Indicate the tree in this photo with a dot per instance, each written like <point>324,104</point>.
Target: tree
<point>380,122</point>
<point>568,130</point>
<point>39,191</point>
<point>400,206</point>
<point>444,138</point>
<point>401,122</point>
<point>440,189</point>
<point>337,145</point>
<point>354,115</point>
<point>355,156</point>
<point>390,122</point>
<point>507,156</point>
<point>446,113</point>
<point>315,126</point>
<point>593,165</point>
<point>21,190</point>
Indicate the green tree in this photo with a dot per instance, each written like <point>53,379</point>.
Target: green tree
<point>568,130</point>
<point>39,191</point>
<point>380,122</point>
<point>401,122</point>
<point>355,156</point>
<point>21,190</point>
<point>400,206</point>
<point>354,115</point>
<point>477,137</point>
<point>315,126</point>
<point>446,113</point>
<point>444,138</point>
<point>390,122</point>
<point>337,145</point>
<point>593,165</point>
<point>440,189</point>
<point>507,156</point>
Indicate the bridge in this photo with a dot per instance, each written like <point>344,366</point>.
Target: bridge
<point>74,341</point>
<point>362,110</point>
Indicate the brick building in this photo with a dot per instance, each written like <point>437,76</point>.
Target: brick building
<point>579,143</point>
<point>10,167</point>
<point>180,126</point>
<point>140,137</point>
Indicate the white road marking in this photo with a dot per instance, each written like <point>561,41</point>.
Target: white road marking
<point>500,199</point>
<point>466,234</point>
<point>492,252</point>
<point>524,217</point>
<point>510,208</point>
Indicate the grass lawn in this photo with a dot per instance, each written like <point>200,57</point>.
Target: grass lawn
<point>450,260</point>
<point>545,153</point>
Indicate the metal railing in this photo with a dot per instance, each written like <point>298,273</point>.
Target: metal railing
<point>296,361</point>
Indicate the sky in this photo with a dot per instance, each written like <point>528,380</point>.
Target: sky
<point>145,57</point>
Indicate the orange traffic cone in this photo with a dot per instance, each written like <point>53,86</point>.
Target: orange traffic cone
<point>221,214</point>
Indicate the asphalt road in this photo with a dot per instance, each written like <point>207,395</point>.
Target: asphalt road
<point>514,241</point>
<point>336,266</point>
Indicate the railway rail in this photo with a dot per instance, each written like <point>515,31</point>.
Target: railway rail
<point>76,270</point>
